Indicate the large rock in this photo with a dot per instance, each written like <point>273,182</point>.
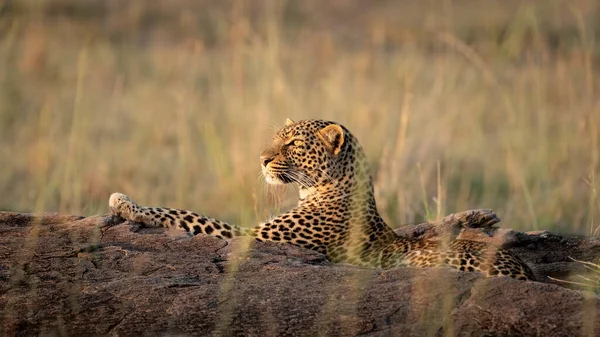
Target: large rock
<point>67,275</point>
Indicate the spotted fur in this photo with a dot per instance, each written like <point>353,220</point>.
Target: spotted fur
<point>336,214</point>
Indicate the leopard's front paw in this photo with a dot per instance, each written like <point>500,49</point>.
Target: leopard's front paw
<point>122,206</point>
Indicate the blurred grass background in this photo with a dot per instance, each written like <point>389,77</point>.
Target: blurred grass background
<point>459,104</point>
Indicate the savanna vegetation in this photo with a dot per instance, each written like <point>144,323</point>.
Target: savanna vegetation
<point>459,104</point>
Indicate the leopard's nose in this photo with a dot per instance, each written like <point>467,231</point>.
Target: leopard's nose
<point>265,159</point>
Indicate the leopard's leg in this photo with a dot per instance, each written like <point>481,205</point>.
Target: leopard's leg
<point>490,260</point>
<point>476,222</point>
<point>461,254</point>
<point>279,229</point>
<point>193,223</point>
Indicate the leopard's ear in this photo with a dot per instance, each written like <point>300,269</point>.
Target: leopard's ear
<point>289,122</point>
<point>333,137</point>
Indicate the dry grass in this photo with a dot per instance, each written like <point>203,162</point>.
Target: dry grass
<point>464,104</point>
<point>590,280</point>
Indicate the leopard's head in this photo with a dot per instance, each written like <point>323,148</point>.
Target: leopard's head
<point>308,152</point>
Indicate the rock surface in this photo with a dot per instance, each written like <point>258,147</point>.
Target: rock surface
<point>67,275</point>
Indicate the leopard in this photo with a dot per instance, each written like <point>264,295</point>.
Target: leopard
<point>336,214</point>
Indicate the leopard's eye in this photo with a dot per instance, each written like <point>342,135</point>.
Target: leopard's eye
<point>294,142</point>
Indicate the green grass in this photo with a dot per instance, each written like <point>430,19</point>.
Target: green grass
<point>470,104</point>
